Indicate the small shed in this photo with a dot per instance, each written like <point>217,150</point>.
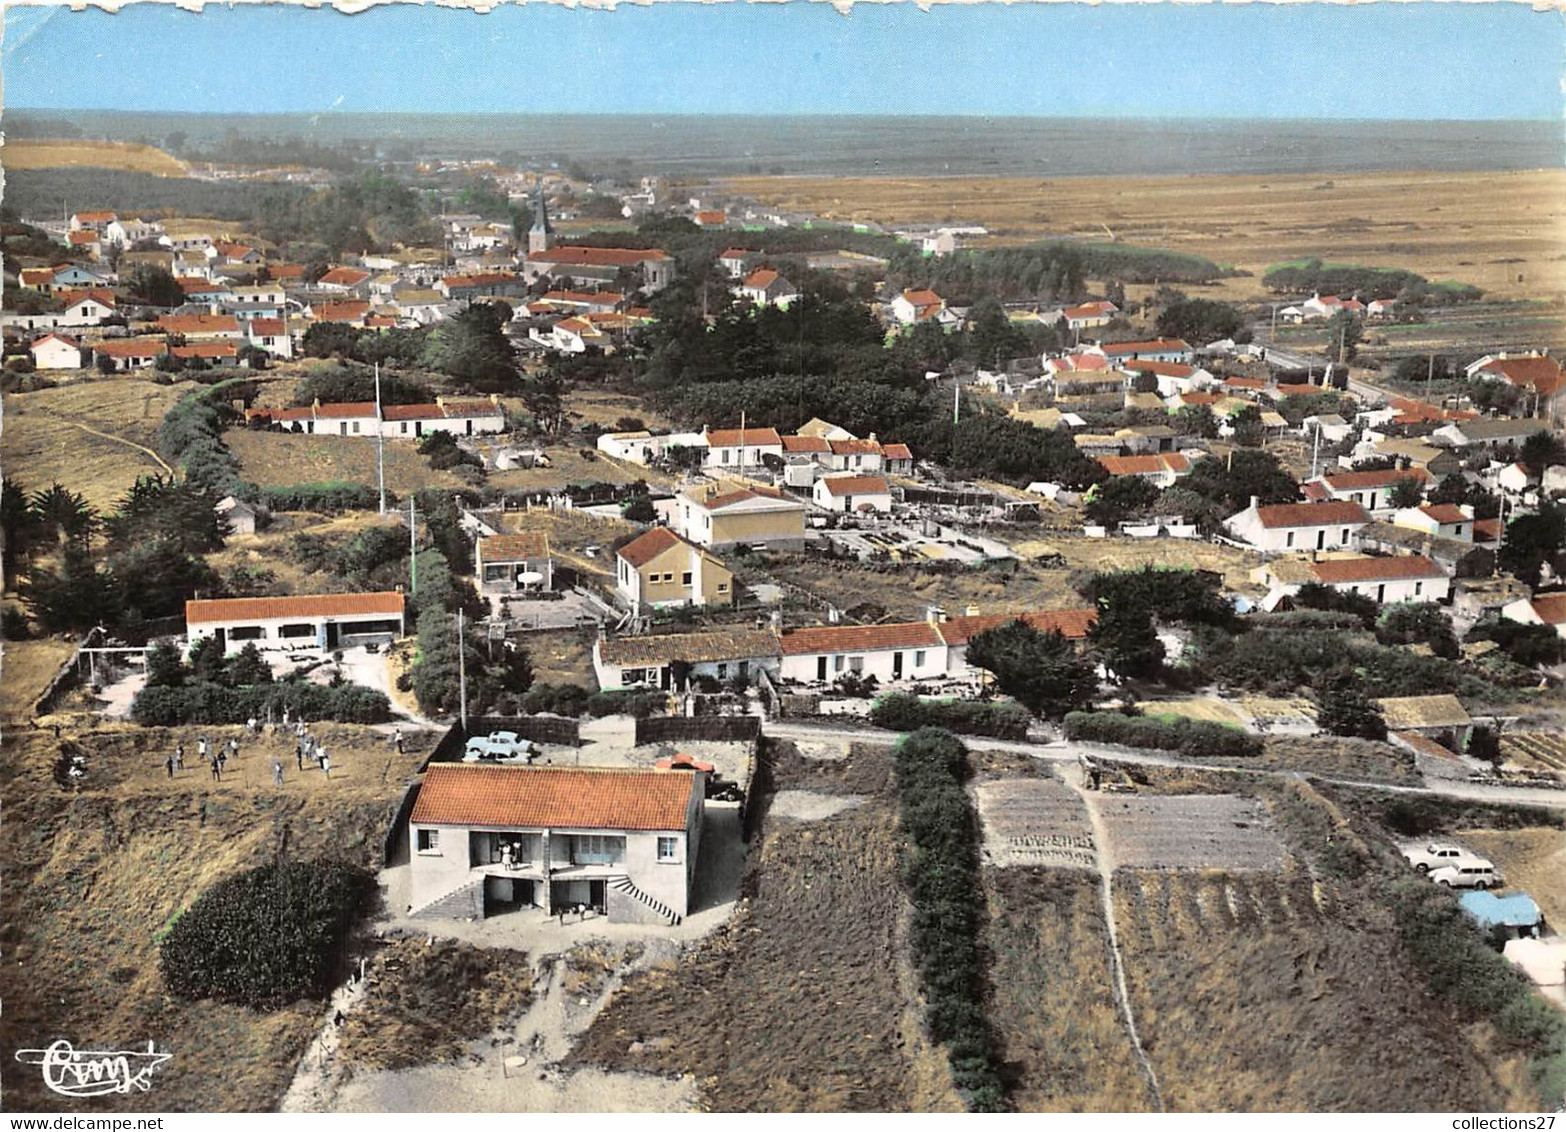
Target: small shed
<point>1442,718</point>
<point>1512,917</point>
<point>515,563</point>
<point>239,515</point>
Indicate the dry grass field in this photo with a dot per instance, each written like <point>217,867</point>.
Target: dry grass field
<point>1532,861</point>
<point>65,153</point>
<point>1481,228</point>
<point>26,667</point>
<point>97,873</point>
<point>90,436</point>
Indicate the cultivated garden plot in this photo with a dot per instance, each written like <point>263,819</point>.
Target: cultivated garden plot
<point>1190,831</point>
<point>1034,821</point>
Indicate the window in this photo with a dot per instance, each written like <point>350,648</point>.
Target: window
<point>723,587</point>
<point>356,426</point>
<point>669,849</point>
<point>837,664</point>
<point>685,578</point>
<point>403,428</point>
<point>1289,541</point>
<point>429,841</point>
<point>296,630</point>
<point>918,658</point>
<point>246,633</point>
<point>725,455</point>
<point>856,664</point>
<point>596,849</point>
<point>723,671</point>
<point>1344,539</point>
<point>1419,588</point>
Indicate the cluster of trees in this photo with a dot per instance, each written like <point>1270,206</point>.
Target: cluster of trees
<point>1366,282</point>
<point>1045,273</point>
<point>1194,738</point>
<point>1200,321</point>
<point>38,192</point>
<point>374,212</point>
<point>191,435</point>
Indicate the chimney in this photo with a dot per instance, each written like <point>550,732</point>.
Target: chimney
<point>1255,500</point>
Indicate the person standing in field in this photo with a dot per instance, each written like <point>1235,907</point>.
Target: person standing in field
<point>326,763</point>
<point>277,772</point>
<point>168,764</point>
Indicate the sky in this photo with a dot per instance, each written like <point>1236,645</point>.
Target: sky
<point>1385,60</point>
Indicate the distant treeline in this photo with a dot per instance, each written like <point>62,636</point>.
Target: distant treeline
<point>1367,283</point>
<point>35,193</point>
<point>1051,272</point>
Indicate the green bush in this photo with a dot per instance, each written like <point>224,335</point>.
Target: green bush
<point>556,699</point>
<point>330,496</point>
<point>899,711</point>
<point>942,874</point>
<point>208,702</point>
<point>265,937</point>
<point>1193,738</point>
<point>627,701</point>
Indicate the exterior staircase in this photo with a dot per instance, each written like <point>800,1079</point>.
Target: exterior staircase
<point>465,902</point>
<point>668,915</point>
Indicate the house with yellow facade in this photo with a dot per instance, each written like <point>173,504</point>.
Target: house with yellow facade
<point>659,570</point>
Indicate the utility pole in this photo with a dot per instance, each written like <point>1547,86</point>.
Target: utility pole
<point>413,546</point>
<point>380,440</point>
<point>462,675</point>
<point>1315,449</point>
<point>956,399</point>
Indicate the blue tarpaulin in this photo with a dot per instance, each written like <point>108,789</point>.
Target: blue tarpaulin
<point>1488,909</point>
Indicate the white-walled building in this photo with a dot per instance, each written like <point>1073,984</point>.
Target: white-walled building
<point>485,839</point>
<point>1279,527</point>
<point>1443,520</point>
<point>57,351</point>
<point>849,493</point>
<point>514,563</point>
<point>1543,609</point>
<point>731,449</point>
<point>662,660</point>
<point>1385,579</point>
<point>911,650</point>
<point>302,621</point>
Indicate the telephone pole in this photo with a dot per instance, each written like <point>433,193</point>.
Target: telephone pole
<point>462,676</point>
<point>413,546</point>
<point>380,440</point>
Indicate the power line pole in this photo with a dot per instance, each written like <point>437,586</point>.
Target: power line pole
<point>380,440</point>
<point>413,546</point>
<point>462,675</point>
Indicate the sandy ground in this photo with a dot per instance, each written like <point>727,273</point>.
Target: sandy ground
<point>807,805</point>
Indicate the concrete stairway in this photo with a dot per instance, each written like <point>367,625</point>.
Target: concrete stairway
<point>667,914</point>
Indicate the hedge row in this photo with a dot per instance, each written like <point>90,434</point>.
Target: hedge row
<point>942,874</point>
<point>330,496</point>
<point>1190,737</point>
<point>265,937</point>
<point>191,435</point>
<point>204,702</point>
<point>900,711</point>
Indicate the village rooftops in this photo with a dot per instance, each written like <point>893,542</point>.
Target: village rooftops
<point>1407,712</point>
<point>130,347</point>
<point>482,279</point>
<point>71,298</point>
<point>344,277</point>
<point>1145,465</point>
<point>514,547</point>
<point>527,797</point>
<point>1540,373</point>
<point>198,324</point>
<point>761,279</point>
<point>1399,567</point>
<point>1444,513</point>
<point>1162,369</point>
<point>1073,624</point>
<point>860,638</point>
<point>268,327</point>
<point>206,612</point>
<point>645,547</point>
<point>806,444</point>
<point>1279,516</point>
<point>205,350</point>
<point>896,452</point>
<point>923,298</point>
<point>353,310</point>
<point>692,648</point>
<point>855,446</point>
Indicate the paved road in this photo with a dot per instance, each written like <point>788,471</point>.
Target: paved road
<point>1062,751</point>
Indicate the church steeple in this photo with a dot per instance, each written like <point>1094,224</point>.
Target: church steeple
<point>541,237</point>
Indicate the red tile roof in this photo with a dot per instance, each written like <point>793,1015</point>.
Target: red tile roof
<point>268,326</point>
<point>1245,382</point>
<point>1487,530</point>
<point>514,547</point>
<point>762,279</point>
<point>130,347</point>
<point>1151,346</point>
<point>1343,571</point>
<point>681,761</point>
<point>298,605</point>
<point>206,350</point>
<point>1079,362</point>
<point>1073,624</point>
<point>1543,374</point>
<point>353,310</point>
<point>1301,389</point>
<point>100,217</point>
<point>344,277</point>
<point>345,410</point>
<point>1277,515</point>
<point>1200,398</point>
<point>1162,369</point>
<point>198,324</point>
<point>923,298</point>
<point>860,638</point>
<point>1445,512</point>
<point>805,444</point>
<point>736,253</point>
<point>1381,477</point>
<point>740,495</point>
<point>482,279</point>
<point>71,298</point>
<point>527,797</point>
<point>1551,608</point>
<point>856,485</point>
<point>854,446</point>
<point>83,236</point>
<point>282,271</point>
<point>195,285</point>
<point>644,548</point>
<point>897,452</point>
<point>1144,465</point>
<point>734,438</point>
<point>55,336</point>
<point>598,257</point>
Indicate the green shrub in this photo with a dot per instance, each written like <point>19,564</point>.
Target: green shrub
<point>639,702</point>
<point>942,875</point>
<point>556,699</point>
<point>208,702</point>
<point>329,497</point>
<point>900,711</point>
<point>1193,738</point>
<point>265,937</point>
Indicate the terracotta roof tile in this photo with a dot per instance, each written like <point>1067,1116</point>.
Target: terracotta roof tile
<point>598,257</point>
<point>734,438</point>
<point>1343,571</point>
<point>298,605</point>
<point>856,485</point>
<point>1073,624</point>
<point>1277,515</point>
<point>514,547</point>
<point>693,648</point>
<point>860,638</point>
<point>525,797</point>
<point>344,277</point>
<point>1381,477</point>
<point>198,324</point>
<point>1445,512</point>
<point>1152,345</point>
<point>645,547</point>
<point>805,444</point>
<point>1551,608</point>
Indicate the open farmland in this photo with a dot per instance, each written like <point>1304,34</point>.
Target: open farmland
<point>1487,229</point>
<point>26,668</point>
<point>65,153</point>
<point>1034,821</point>
<point>1095,554</point>
<point>95,437</point>
<point>1054,1011</point>
<point>803,1001</point>
<point>96,874</point>
<point>1193,831</point>
<point>1535,750</point>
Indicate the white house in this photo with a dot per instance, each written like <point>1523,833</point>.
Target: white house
<point>1444,520</point>
<point>664,660</point>
<point>1371,490</point>
<point>56,351</point>
<point>639,447</point>
<point>720,515</point>
<point>460,417</point>
<point>1543,609</point>
<point>345,281</point>
<point>489,839</point>
<point>912,650</point>
<point>304,621</point>
<point>124,232</point>
<point>1386,579</point>
<point>850,493</point>
<point>768,288</point>
<point>271,335</point>
<point>735,261</point>
<point>730,449</point>
<point>1151,350</point>
<point>130,353</point>
<point>919,305</point>
<point>1278,527</point>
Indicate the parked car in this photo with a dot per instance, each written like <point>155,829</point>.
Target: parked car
<point>1479,876</point>
<point>1439,855</point>
<point>498,746</point>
